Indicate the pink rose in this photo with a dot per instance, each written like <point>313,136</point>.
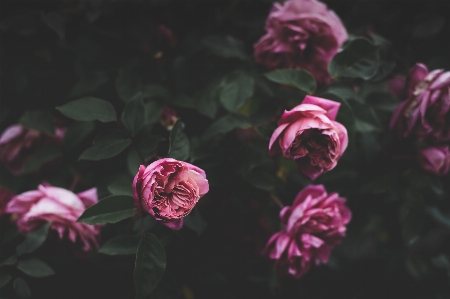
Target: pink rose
<point>301,34</point>
<point>5,196</point>
<point>168,118</point>
<point>435,160</point>
<point>18,143</point>
<point>168,190</point>
<point>309,135</point>
<point>310,228</point>
<point>426,111</point>
<point>62,208</point>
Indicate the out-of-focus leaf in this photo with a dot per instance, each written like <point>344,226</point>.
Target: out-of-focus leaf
<point>128,84</point>
<point>225,46</point>
<point>12,260</point>
<point>225,124</point>
<point>358,59</point>
<point>207,102</point>
<point>382,100</point>
<point>4,279</point>
<point>414,217</point>
<point>195,222</point>
<point>89,108</point>
<point>148,143</point>
<point>133,116</point>
<point>35,268</point>
<point>121,186</point>
<point>120,245</point>
<point>77,132</point>
<point>107,145</point>
<point>41,120</point>
<point>428,27</point>
<point>155,91</point>
<point>150,265</point>
<point>42,156</point>
<point>182,101</point>
<point>370,145</point>
<point>179,143</point>
<point>133,161</point>
<point>365,118</point>
<point>109,210</point>
<point>300,79</point>
<point>33,240</point>
<point>89,81</point>
<point>153,112</point>
<point>21,288</point>
<point>235,89</point>
<point>439,217</point>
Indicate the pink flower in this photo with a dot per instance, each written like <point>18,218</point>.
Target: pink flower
<point>5,196</point>
<point>18,143</point>
<point>301,34</point>
<point>425,113</point>
<point>309,135</point>
<point>168,190</point>
<point>168,117</point>
<point>310,228</point>
<point>62,208</point>
<point>435,160</point>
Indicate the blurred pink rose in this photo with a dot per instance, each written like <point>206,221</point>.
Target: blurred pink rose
<point>18,143</point>
<point>435,160</point>
<point>62,208</point>
<point>425,113</point>
<point>168,190</point>
<point>309,135</point>
<point>168,118</point>
<point>301,34</point>
<point>310,228</point>
<point>5,196</point>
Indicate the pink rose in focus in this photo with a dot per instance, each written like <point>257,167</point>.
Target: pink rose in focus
<point>425,113</point>
<point>62,208</point>
<point>18,143</point>
<point>168,118</point>
<point>309,135</point>
<point>301,34</point>
<point>435,160</point>
<point>168,190</point>
<point>5,196</point>
<point>310,228</point>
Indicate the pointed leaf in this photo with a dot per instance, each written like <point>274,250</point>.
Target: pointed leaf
<point>109,210</point>
<point>107,145</point>
<point>40,120</point>
<point>35,268</point>
<point>236,89</point>
<point>4,279</point>
<point>226,124</point>
<point>133,116</point>
<point>89,108</point>
<point>33,240</point>
<point>21,288</point>
<point>120,245</point>
<point>300,79</point>
<point>179,143</point>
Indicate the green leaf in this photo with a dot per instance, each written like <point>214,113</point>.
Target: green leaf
<point>77,133</point>
<point>207,102</point>
<point>121,187</point>
<point>358,59</point>
<point>109,210</point>
<point>225,46</point>
<point>42,156</point>
<point>40,120</point>
<point>89,81</point>
<point>300,79</point>
<point>150,265</point>
<point>12,260</point>
<point>35,268</point>
<point>382,101</point>
<point>107,145</point>
<point>236,88</point>
<point>21,288</point>
<point>128,84</point>
<point>120,245</point>
<point>89,108</point>
<point>225,124</point>
<point>153,112</point>
<point>133,161</point>
<point>147,144</point>
<point>195,222</point>
<point>364,126</point>
<point>439,217</point>
<point>155,91</point>
<point>365,118</point>
<point>133,116</point>
<point>414,217</point>
<point>179,143</point>
<point>4,279</point>
<point>33,240</point>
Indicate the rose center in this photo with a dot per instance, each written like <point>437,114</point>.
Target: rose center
<point>321,149</point>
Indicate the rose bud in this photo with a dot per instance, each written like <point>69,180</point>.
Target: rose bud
<point>301,34</point>
<point>310,228</point>
<point>425,113</point>
<point>168,118</point>
<point>62,208</point>
<point>435,160</point>
<point>309,135</point>
<point>18,143</point>
<point>5,196</point>
<point>168,190</point>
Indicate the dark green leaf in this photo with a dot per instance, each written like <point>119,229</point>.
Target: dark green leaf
<point>155,91</point>
<point>77,132</point>
<point>109,210</point>
<point>89,81</point>
<point>382,100</point>
<point>133,116</point>
<point>33,240</point>
<point>300,79</point>
<point>414,217</point>
<point>4,279</point>
<point>150,265</point>
<point>365,118</point>
<point>179,143</point>
<point>120,245</point>
<point>128,84</point>
<point>35,268</point>
<point>195,222</point>
<point>133,161</point>
<point>21,288</point>
<point>439,217</point>
<point>358,59</point>
<point>89,108</point>
<point>153,112</point>
<point>225,124</point>
<point>181,101</point>
<point>121,187</point>
<point>41,120</point>
<point>236,88</point>
<point>107,145</point>
<point>148,143</point>
<point>364,126</point>
<point>225,46</point>
<point>207,102</point>
<point>42,156</point>
<point>12,260</point>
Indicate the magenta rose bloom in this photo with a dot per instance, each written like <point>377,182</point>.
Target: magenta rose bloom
<point>168,190</point>
<point>425,113</point>
<point>18,143</point>
<point>310,228</point>
<point>5,196</point>
<point>301,34</point>
<point>309,135</point>
<point>62,208</point>
<point>435,160</point>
